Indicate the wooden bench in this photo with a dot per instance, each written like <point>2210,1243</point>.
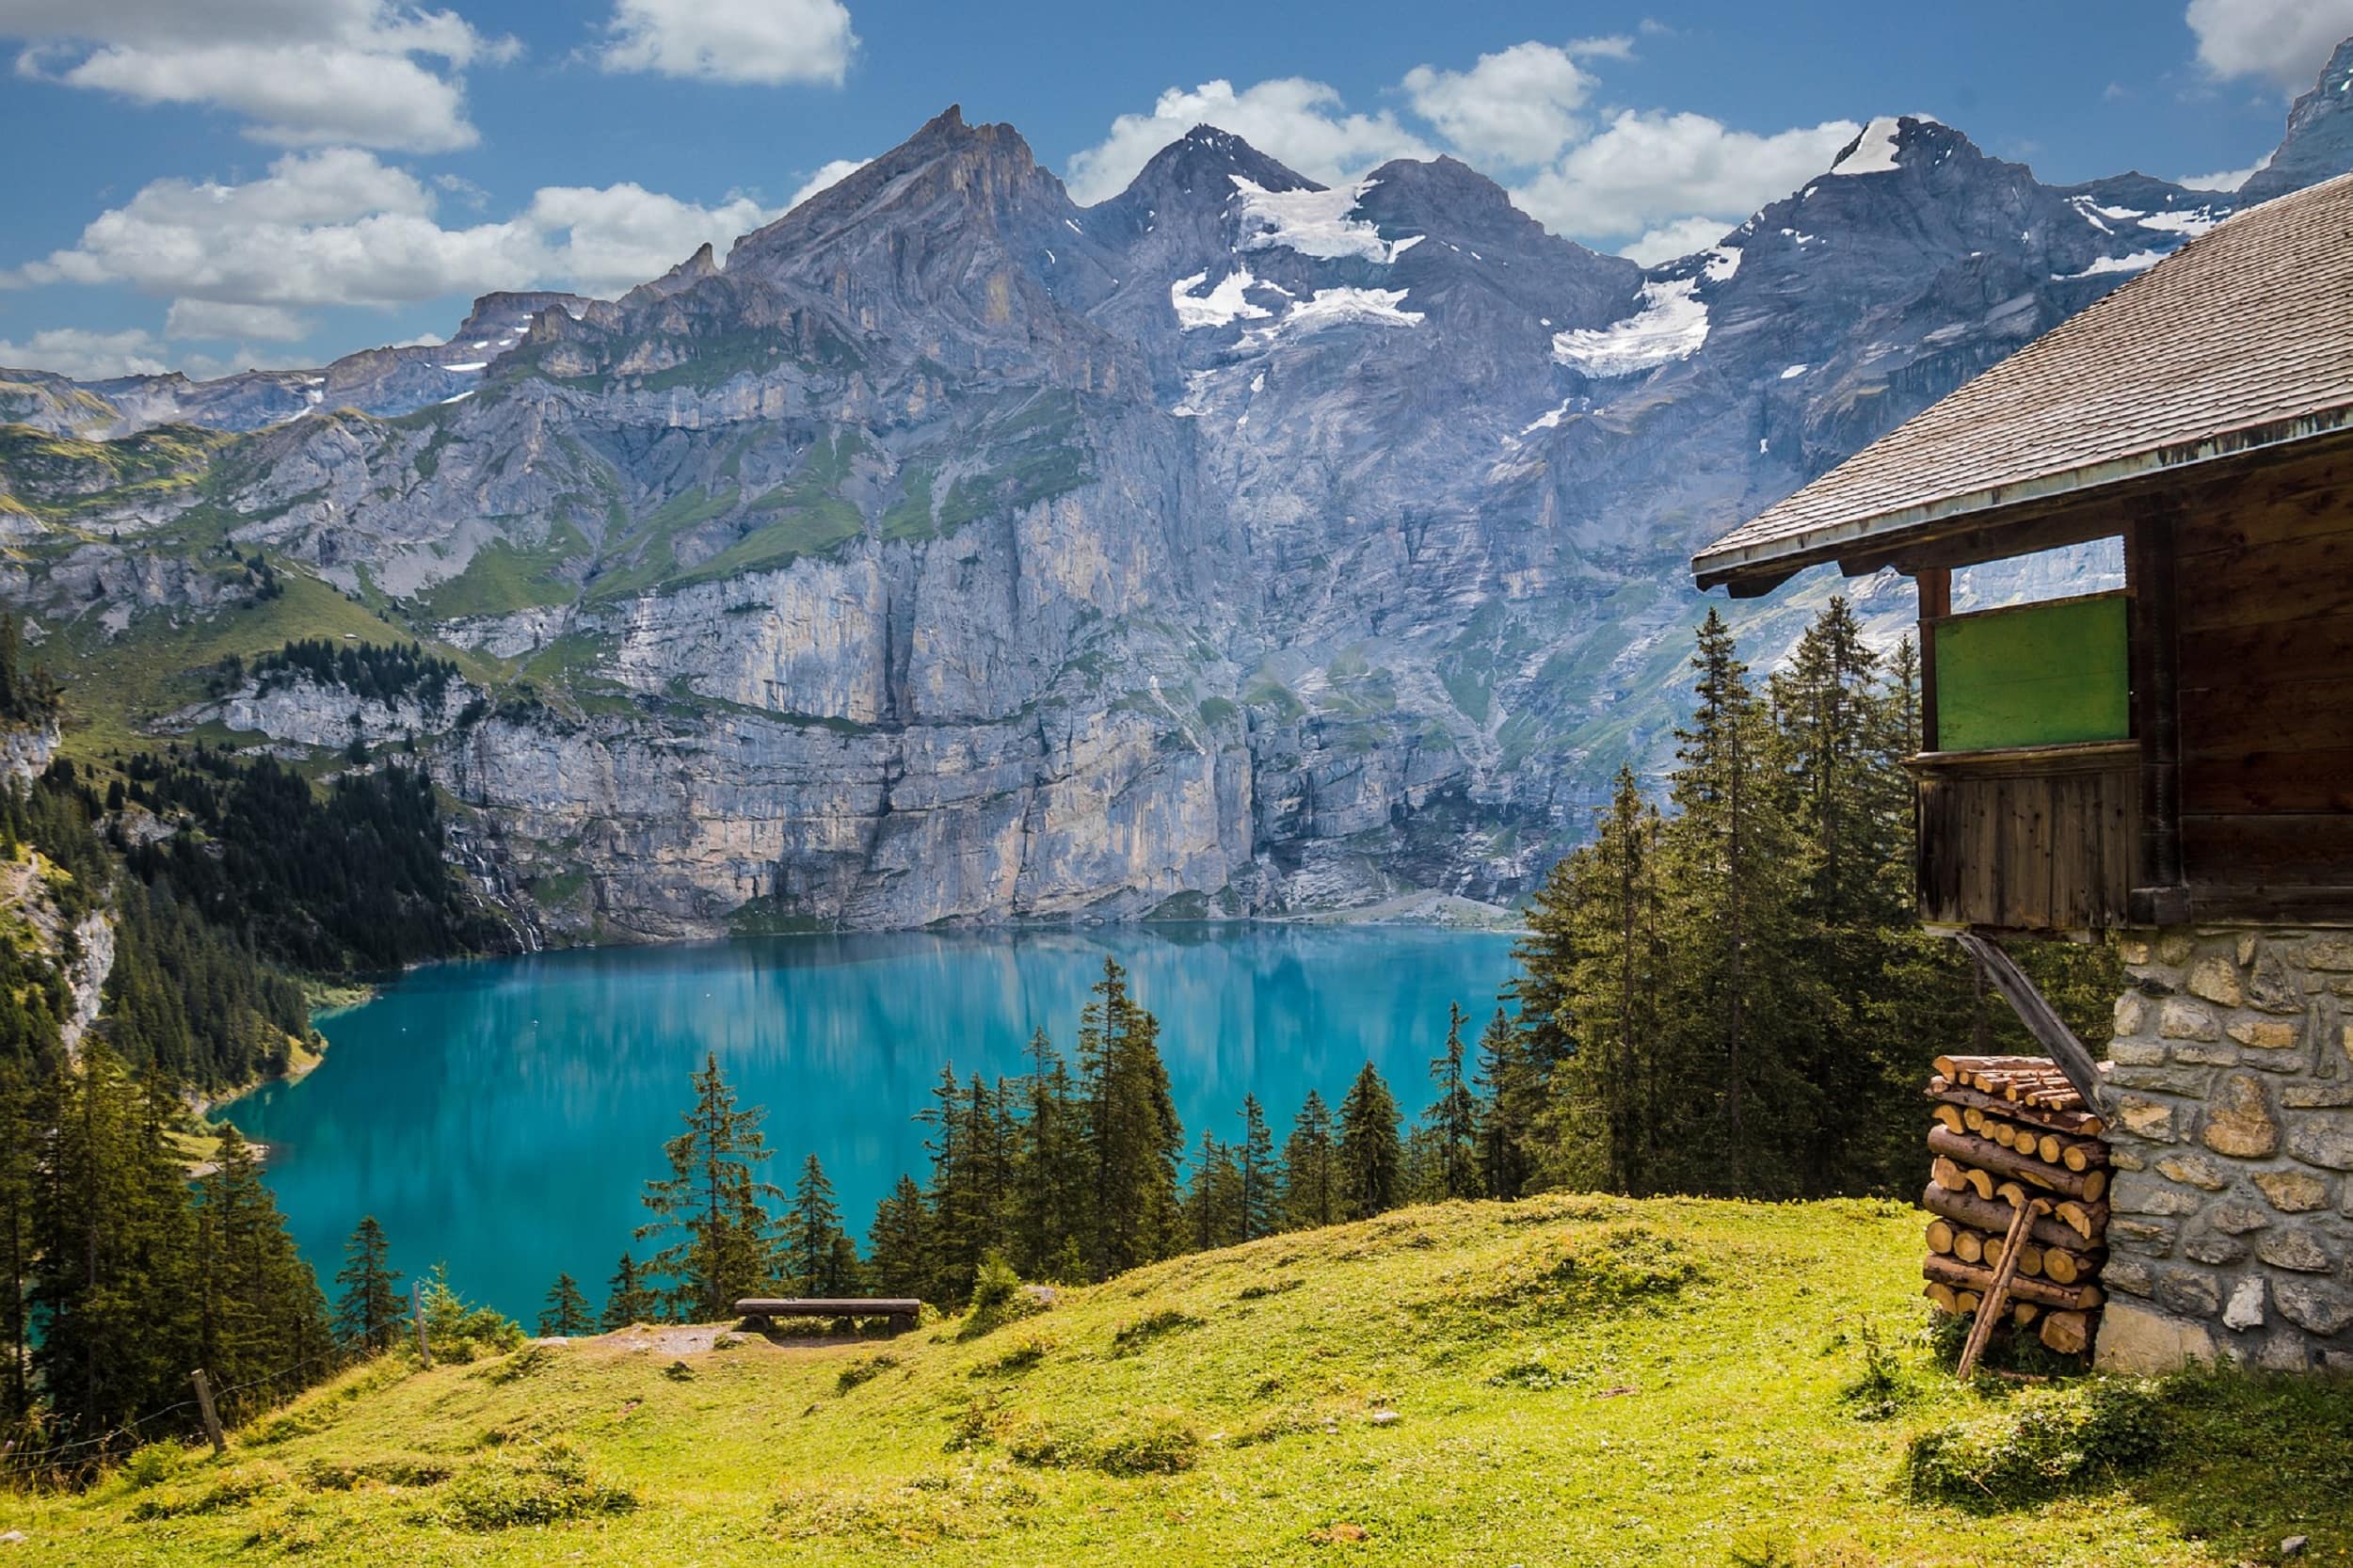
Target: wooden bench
<point>757,1311</point>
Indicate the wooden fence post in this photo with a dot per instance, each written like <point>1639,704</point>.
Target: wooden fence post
<point>204,1406</point>
<point>424,1350</point>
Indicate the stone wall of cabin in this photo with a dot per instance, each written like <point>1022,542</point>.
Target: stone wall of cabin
<point>2231,1131</point>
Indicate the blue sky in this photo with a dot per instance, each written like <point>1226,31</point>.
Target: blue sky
<point>223,182</point>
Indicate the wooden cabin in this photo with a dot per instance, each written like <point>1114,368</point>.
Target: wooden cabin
<point>2168,763</point>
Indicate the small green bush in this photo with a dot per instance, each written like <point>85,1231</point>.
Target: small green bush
<point>326,1475</point>
<point>1014,1359</point>
<point>1130,1339</point>
<point>2039,1446</point>
<point>233,1487</point>
<point>864,1370</point>
<point>554,1486</point>
<point>153,1464</point>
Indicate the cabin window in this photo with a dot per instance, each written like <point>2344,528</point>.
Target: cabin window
<point>2030,675</point>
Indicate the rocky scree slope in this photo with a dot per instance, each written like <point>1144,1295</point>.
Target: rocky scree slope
<point>949,551</point>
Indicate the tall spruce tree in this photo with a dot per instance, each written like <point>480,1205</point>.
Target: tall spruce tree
<point>899,1244</point>
<point>1311,1179</point>
<point>369,1309</point>
<point>565,1314</point>
<point>1369,1159</point>
<point>19,1136</point>
<point>1050,1175</point>
<point>811,1228</point>
<point>1132,1137</point>
<point>260,1317</point>
<point>1736,1002</point>
<point>1213,1197</point>
<point>713,1206</point>
<point>1452,1122</point>
<point>1512,1104</point>
<point>628,1298</point>
<point>1260,1177</point>
<point>1612,1108</point>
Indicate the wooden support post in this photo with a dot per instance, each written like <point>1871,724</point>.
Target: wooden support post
<point>2155,661</point>
<point>1990,1309</point>
<point>1936,602</point>
<point>424,1350</point>
<point>204,1407</point>
<point>2041,1021</point>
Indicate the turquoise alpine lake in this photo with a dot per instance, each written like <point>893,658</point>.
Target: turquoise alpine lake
<point>501,1116</point>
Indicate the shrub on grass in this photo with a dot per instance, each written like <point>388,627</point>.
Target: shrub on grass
<point>2038,1446</point>
<point>1014,1359</point>
<point>232,1488</point>
<point>553,1486</point>
<point>1131,1338</point>
<point>866,1370</point>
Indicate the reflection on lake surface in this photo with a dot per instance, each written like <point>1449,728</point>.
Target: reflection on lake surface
<point>503,1115</point>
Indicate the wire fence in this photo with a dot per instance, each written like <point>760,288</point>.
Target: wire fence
<point>47,1457</point>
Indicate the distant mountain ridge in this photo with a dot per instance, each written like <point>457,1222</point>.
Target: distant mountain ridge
<point>952,553</point>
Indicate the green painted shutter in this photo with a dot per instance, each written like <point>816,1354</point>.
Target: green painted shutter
<point>2036,674</point>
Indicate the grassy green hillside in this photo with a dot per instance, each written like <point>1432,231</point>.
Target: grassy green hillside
<point>1571,1380</point>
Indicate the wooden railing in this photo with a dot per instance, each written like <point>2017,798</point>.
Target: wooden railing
<point>2035,838</point>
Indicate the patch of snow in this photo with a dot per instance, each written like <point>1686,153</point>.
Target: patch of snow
<point>2180,223</point>
<point>1257,382</point>
<point>2089,213</point>
<point>2139,261</point>
<point>460,397</point>
<point>1672,325</point>
<point>1794,372</point>
<point>1722,263</point>
<point>2120,213</point>
<point>1049,255</point>
<point>1874,151</point>
<point>468,368</point>
<point>1312,222</point>
<point>479,343</point>
<point>1220,307</point>
<point>1551,421</point>
<point>1072,227</point>
<point>1404,245</point>
<point>315,396</point>
<point>1196,387</point>
<point>1338,307</point>
<point>1545,320</point>
<point>1763,445</point>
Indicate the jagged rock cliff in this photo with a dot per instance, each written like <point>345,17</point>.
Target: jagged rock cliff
<point>953,553</point>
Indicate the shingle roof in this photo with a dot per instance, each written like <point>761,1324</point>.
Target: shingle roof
<point>2242,338</point>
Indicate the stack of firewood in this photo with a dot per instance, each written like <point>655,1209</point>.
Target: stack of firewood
<point>2011,1133</point>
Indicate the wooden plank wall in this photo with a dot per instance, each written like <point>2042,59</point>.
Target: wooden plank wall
<point>2042,840</point>
<point>2265,610</point>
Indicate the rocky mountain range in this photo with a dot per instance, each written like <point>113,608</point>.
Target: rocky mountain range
<point>951,552</point>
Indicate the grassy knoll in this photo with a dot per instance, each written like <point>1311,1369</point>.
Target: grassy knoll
<point>1573,1381</point>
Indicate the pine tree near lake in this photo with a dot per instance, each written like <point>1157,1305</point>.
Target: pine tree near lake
<point>565,1314</point>
<point>1311,1182</point>
<point>628,1298</point>
<point>1369,1158</point>
<point>712,1206</point>
<point>368,1311</point>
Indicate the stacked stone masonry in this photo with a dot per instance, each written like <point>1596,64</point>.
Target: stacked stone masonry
<point>2231,1101</point>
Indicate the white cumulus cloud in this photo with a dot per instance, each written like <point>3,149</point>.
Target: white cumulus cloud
<point>2283,41</point>
<point>753,41</point>
<point>216,319</point>
<point>1519,105</point>
<point>1680,239</point>
<point>1648,170</point>
<point>85,355</point>
<point>825,178</point>
<point>297,72</point>
<point>1296,121</point>
<point>338,227</point>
